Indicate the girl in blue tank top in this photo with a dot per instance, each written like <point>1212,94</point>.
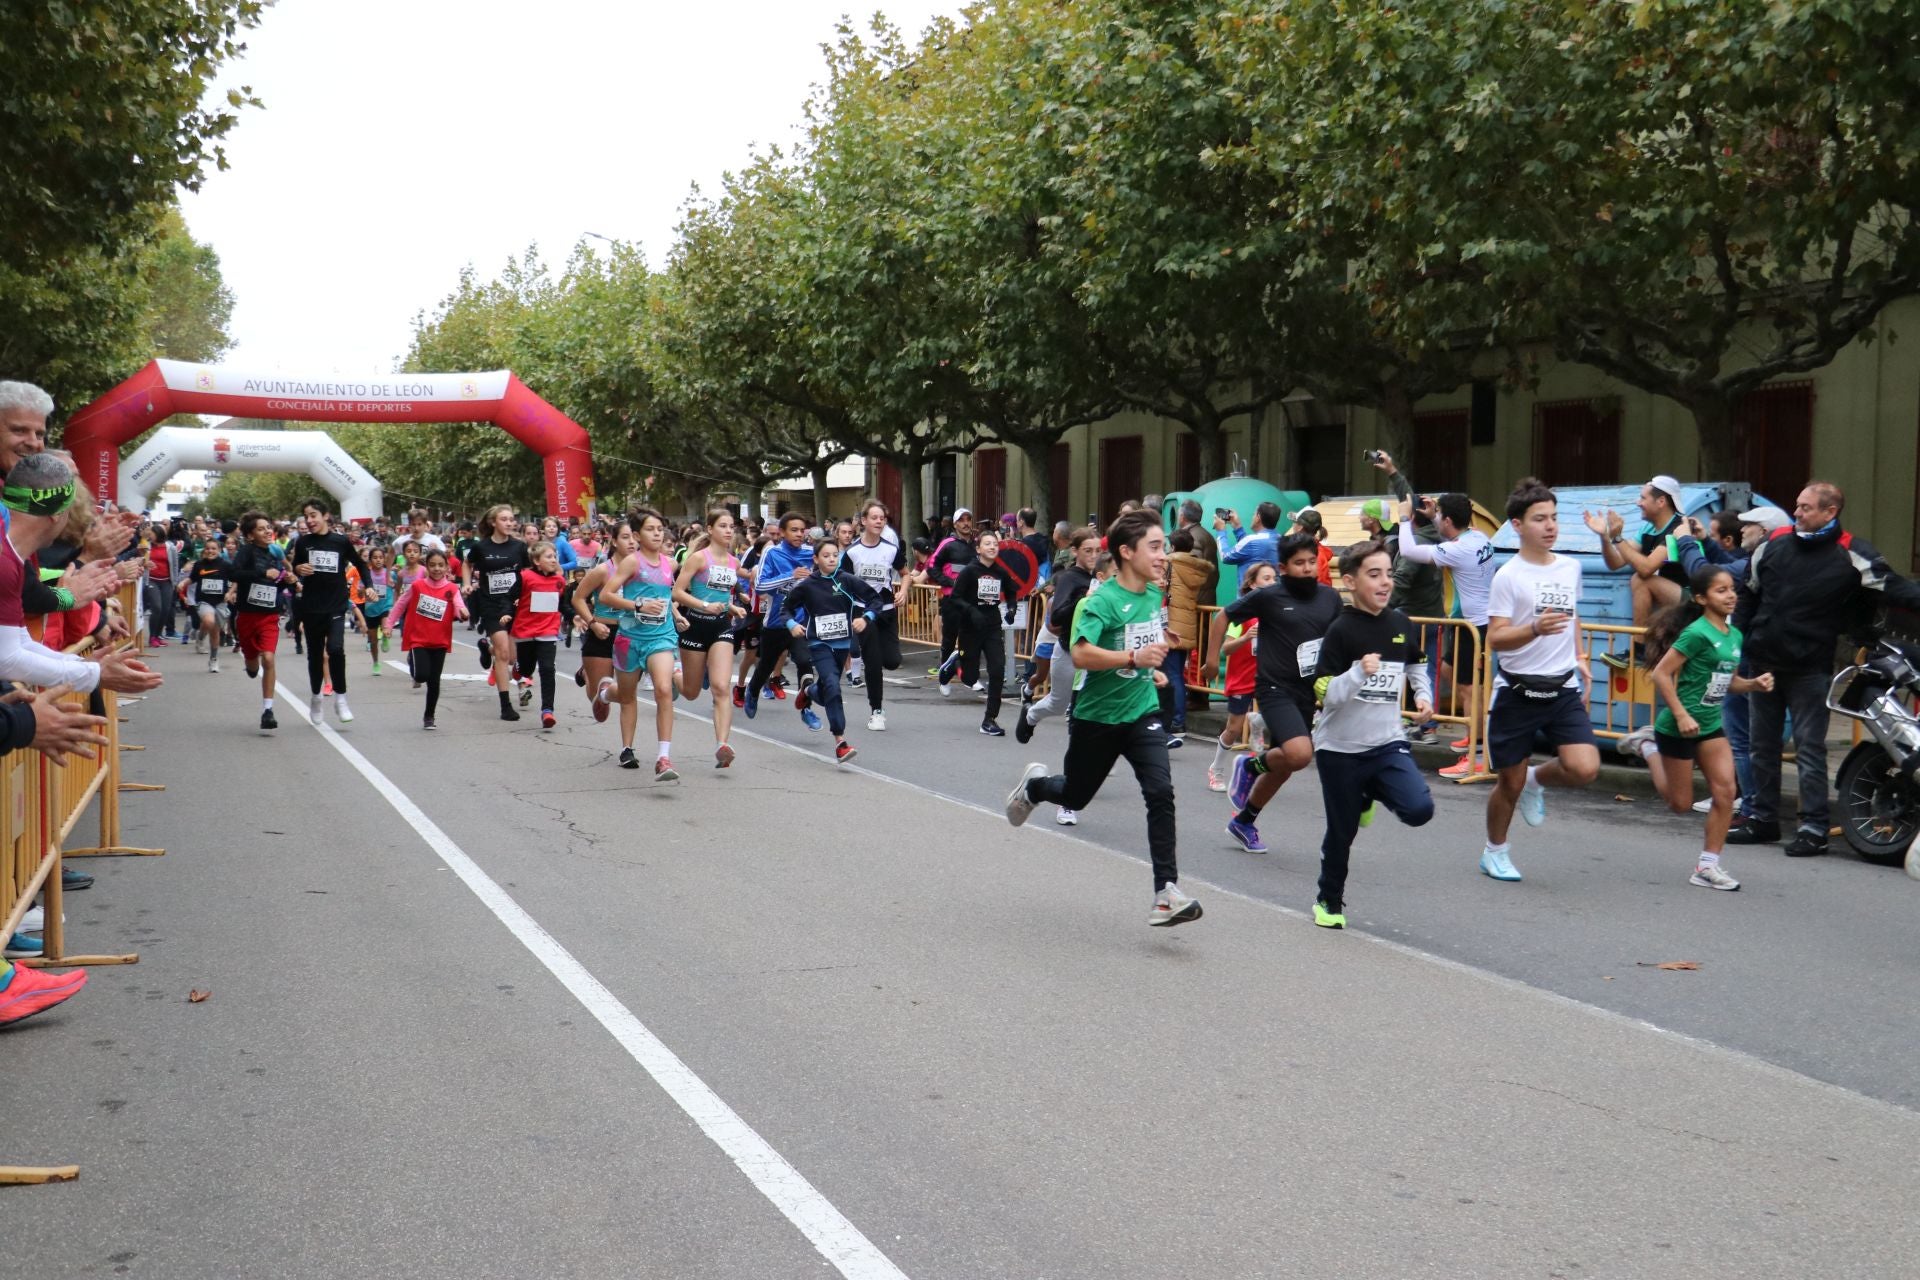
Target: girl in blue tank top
<point>647,640</point>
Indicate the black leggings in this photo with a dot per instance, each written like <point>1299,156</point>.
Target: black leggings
<point>427,664</point>
<point>983,655</point>
<point>326,640</point>
<point>529,654</point>
<point>1093,748</point>
<point>880,648</point>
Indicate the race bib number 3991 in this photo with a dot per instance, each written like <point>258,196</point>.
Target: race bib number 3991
<point>1716,691</point>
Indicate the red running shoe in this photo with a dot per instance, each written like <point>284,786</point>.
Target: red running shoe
<point>33,991</point>
<point>722,756</point>
<point>739,697</point>
<point>547,720</point>
<point>844,751</point>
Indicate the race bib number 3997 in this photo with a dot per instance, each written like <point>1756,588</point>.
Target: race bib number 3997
<point>1385,684</point>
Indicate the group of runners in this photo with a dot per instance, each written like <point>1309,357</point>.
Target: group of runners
<point>1316,677</point>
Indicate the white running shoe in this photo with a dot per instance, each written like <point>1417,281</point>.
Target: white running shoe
<point>877,723</point>
<point>1171,907</point>
<point>1498,866</point>
<point>341,709</point>
<point>946,690</point>
<point>1214,781</point>
<point>1713,877</point>
<point>1533,804</point>
<point>1629,746</point>
<point>1703,806</point>
<point>316,710</point>
<point>1019,808</point>
<point>1065,817</point>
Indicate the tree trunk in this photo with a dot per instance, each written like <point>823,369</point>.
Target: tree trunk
<point>1040,468</point>
<point>1719,460</point>
<point>821,496</point>
<point>1213,449</point>
<point>1396,424</point>
<point>912,504</point>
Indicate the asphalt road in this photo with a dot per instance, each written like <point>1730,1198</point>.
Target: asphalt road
<point>794,1020</point>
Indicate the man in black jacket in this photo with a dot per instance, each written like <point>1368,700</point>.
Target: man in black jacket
<point>1807,586</point>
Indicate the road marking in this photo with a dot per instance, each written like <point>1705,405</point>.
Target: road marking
<point>825,1227</point>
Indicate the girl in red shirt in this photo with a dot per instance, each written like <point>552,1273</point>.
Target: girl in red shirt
<point>536,624</point>
<point>429,608</point>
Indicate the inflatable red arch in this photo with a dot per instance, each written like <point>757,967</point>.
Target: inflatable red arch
<point>94,434</point>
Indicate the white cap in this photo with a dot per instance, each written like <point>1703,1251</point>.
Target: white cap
<point>962,511</point>
<point>1768,518</point>
<point>1667,485</point>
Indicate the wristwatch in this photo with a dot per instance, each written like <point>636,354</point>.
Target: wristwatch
<point>1617,539</point>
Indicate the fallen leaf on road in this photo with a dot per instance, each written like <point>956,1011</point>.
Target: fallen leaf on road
<point>1669,964</point>
<point>1606,977</point>
<point>1624,799</point>
<point>196,995</point>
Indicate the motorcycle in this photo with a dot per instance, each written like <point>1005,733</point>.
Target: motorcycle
<point>1876,796</point>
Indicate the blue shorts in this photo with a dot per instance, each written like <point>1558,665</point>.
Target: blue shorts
<point>1525,720</point>
<point>631,652</point>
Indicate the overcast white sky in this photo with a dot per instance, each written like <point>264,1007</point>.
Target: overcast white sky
<point>405,139</point>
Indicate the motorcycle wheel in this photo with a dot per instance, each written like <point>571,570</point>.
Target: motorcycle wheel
<point>1879,813</point>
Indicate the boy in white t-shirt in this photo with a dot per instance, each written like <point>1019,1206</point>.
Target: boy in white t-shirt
<point>1539,690</point>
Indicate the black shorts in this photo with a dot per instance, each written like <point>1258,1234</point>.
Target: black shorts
<point>1522,718</point>
<point>592,646</point>
<point>1471,673</point>
<point>705,630</point>
<point>1684,748</point>
<point>1238,704</point>
<point>1288,712</point>
<point>494,613</point>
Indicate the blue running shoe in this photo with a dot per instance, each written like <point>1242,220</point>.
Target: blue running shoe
<point>810,718</point>
<point>1533,806</point>
<point>1498,866</point>
<point>1247,835</point>
<point>751,705</point>
<point>23,947</point>
<point>1240,786</point>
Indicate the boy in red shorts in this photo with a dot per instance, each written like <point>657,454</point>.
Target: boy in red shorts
<point>258,571</point>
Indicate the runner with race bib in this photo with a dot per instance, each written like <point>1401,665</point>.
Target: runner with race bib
<point>1294,614</point>
<point>982,594</point>
<point>1369,660</point>
<point>708,593</point>
<point>321,557</point>
<point>490,578</point>
<point>536,624</point>
<point>258,572</point>
<point>825,614</point>
<point>427,610</point>
<point>1118,646</point>
<point>878,559</point>
<point>208,581</point>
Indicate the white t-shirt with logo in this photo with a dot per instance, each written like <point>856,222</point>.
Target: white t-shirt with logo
<point>1522,593</point>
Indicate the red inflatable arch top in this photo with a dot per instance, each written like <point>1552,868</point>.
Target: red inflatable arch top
<point>94,434</point>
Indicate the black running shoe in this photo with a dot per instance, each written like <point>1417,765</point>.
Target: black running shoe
<point>1022,730</point>
<point>267,721</point>
<point>486,652</point>
<point>628,760</point>
<point>507,712</point>
<point>992,730</point>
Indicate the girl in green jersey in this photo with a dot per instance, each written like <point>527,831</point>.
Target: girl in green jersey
<point>1698,653</point>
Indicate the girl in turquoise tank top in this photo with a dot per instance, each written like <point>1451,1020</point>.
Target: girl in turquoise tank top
<point>647,640</point>
<point>707,592</point>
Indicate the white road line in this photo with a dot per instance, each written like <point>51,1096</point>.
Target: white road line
<point>825,1227</point>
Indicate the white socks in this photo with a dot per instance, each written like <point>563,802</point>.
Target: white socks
<point>1709,859</point>
<point>1533,775</point>
<point>1649,749</point>
<point>666,749</point>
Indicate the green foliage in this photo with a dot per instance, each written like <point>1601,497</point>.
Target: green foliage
<point>278,494</point>
<point>103,117</point>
